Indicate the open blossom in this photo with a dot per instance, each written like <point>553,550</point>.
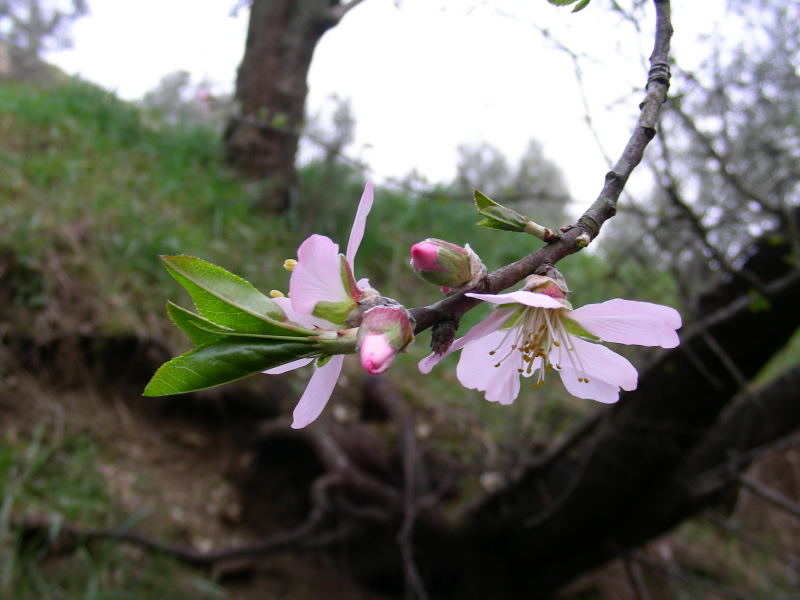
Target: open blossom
<point>323,293</point>
<point>534,331</point>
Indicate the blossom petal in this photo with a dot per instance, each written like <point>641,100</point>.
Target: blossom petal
<point>290,366</point>
<point>597,363</point>
<point>521,297</point>
<point>630,322</point>
<point>308,321</point>
<point>607,393</point>
<point>493,322</point>
<point>359,223</point>
<point>318,392</point>
<point>301,319</point>
<point>317,276</point>
<point>476,367</point>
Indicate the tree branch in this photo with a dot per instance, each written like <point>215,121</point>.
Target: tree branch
<point>588,225</point>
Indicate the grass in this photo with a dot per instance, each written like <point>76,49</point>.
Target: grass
<point>44,474</point>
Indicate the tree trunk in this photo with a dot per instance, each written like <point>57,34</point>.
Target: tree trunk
<point>260,142</point>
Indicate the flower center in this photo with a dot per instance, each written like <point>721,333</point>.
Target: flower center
<point>537,333</point>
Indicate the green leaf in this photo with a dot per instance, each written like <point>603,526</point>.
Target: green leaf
<point>581,5</point>
<point>482,201</point>
<point>497,216</point>
<point>228,300</point>
<point>578,7</point>
<point>223,362</point>
<point>495,224</point>
<point>199,330</point>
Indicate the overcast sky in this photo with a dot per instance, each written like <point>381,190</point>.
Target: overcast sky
<point>423,76</point>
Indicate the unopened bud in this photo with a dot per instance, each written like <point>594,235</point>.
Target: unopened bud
<point>383,333</point>
<point>445,264</point>
<point>554,285</point>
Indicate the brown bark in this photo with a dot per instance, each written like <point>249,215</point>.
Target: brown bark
<point>260,142</point>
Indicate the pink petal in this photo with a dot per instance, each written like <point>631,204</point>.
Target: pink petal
<point>476,367</point>
<point>520,297</point>
<point>596,362</point>
<point>424,257</point>
<point>494,321</point>
<point>290,366</point>
<point>318,392</point>
<point>600,391</point>
<point>308,321</point>
<point>630,322</point>
<point>301,319</point>
<point>317,276</point>
<point>359,223</point>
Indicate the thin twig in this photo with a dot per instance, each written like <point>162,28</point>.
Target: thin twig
<point>773,497</point>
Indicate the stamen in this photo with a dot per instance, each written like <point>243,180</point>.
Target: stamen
<point>289,264</point>
<point>276,294</point>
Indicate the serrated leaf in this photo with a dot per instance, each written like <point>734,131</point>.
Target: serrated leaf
<point>199,330</point>
<point>228,300</point>
<point>223,362</point>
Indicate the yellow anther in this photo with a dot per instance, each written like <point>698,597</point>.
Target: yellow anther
<point>555,343</point>
<point>276,294</point>
<point>289,264</point>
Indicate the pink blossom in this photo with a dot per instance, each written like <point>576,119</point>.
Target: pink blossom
<point>322,293</point>
<point>531,333</point>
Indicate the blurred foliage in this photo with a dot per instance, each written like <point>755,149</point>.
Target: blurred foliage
<point>43,474</point>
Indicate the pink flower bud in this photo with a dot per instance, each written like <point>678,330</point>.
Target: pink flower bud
<point>384,332</point>
<point>376,353</point>
<point>423,256</point>
<point>444,264</point>
<point>555,287</point>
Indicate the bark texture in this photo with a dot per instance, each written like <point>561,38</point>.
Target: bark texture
<point>260,142</point>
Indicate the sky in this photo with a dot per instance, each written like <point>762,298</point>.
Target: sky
<point>422,76</point>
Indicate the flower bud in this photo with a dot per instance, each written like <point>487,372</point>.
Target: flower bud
<point>444,264</point>
<point>383,333</point>
<point>553,285</point>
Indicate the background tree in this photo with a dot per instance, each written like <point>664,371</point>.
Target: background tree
<point>534,186</point>
<point>261,139</point>
<point>30,27</point>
